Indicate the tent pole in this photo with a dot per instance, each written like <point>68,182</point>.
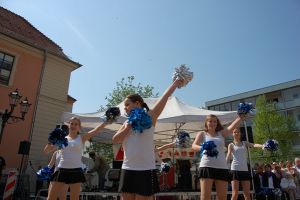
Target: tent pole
<point>249,156</point>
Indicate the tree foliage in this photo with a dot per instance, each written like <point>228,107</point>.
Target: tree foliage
<point>126,87</point>
<point>270,124</point>
<point>123,88</point>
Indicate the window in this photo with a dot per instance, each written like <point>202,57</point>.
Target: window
<point>6,64</point>
<point>298,116</point>
<point>295,96</point>
<point>222,107</point>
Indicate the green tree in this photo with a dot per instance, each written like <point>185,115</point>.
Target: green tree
<point>270,124</point>
<point>126,87</point>
<point>123,88</point>
<point>104,149</point>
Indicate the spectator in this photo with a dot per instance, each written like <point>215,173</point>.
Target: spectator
<point>288,185</point>
<point>256,165</point>
<point>281,164</point>
<point>100,167</point>
<point>278,173</point>
<point>265,183</point>
<point>297,164</point>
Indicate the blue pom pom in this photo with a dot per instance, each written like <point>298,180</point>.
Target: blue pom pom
<point>58,138</point>
<point>183,139</point>
<point>209,148</point>
<point>139,120</point>
<point>271,145</point>
<point>245,108</point>
<point>165,167</point>
<point>45,173</point>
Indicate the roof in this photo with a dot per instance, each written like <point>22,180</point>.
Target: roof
<point>15,26</point>
<point>71,98</point>
<point>253,93</point>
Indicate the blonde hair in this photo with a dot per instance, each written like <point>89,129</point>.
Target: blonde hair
<point>219,125</point>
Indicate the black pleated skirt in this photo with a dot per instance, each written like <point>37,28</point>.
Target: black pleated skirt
<point>143,182</point>
<point>68,176</point>
<point>214,173</point>
<point>240,175</point>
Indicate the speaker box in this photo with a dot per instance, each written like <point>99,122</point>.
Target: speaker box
<point>24,148</point>
<point>250,134</point>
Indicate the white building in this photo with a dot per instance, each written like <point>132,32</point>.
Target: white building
<point>285,95</point>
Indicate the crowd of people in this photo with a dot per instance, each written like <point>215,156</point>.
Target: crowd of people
<point>277,180</point>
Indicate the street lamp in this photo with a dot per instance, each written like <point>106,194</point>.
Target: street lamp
<point>14,99</point>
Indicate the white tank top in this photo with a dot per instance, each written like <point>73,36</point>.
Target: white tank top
<point>71,155</point>
<point>239,162</point>
<point>139,150</point>
<point>213,162</point>
<point>57,160</point>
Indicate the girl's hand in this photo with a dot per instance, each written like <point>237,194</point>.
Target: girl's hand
<point>179,82</point>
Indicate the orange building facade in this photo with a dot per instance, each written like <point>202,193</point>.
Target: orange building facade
<point>38,68</point>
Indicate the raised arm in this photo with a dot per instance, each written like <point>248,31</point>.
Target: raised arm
<point>251,145</point>
<point>53,159</point>
<point>122,133</point>
<point>229,152</point>
<point>197,142</point>
<point>166,146</point>
<point>49,148</point>
<point>92,133</point>
<point>227,131</point>
<point>160,104</point>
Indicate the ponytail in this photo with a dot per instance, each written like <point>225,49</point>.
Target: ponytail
<point>144,105</point>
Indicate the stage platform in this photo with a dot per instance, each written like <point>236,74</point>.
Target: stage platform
<point>159,196</point>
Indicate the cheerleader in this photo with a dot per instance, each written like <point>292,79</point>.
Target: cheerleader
<point>214,169</point>
<point>69,172</point>
<point>139,176</point>
<point>239,167</point>
<point>54,163</point>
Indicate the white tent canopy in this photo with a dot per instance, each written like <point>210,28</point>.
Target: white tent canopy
<point>176,115</point>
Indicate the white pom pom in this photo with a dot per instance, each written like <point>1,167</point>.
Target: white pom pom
<point>183,73</point>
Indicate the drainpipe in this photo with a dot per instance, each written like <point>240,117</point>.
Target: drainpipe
<point>45,53</point>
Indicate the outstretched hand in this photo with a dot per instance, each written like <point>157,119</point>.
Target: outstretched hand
<point>179,83</point>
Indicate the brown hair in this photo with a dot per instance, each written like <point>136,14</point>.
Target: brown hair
<point>137,98</point>
<point>219,125</point>
<point>76,119</point>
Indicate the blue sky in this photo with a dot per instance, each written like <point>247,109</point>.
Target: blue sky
<point>232,46</point>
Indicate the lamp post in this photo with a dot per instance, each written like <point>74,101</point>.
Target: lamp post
<point>7,117</point>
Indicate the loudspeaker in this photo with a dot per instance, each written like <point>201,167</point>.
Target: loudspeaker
<point>250,134</point>
<point>24,148</point>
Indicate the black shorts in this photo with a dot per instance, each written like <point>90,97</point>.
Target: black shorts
<point>240,175</point>
<point>143,182</point>
<point>214,173</point>
<point>68,176</point>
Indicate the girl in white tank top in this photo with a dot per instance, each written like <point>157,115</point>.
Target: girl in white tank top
<point>214,169</point>
<point>239,165</point>
<point>138,176</point>
<point>69,172</point>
